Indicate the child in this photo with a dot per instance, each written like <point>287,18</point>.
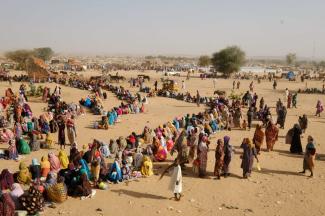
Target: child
<point>176,182</point>
<point>244,125</point>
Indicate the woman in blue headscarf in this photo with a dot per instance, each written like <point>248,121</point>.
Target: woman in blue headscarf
<point>85,168</point>
<point>115,174</point>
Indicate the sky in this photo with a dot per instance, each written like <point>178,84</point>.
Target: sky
<point>165,27</point>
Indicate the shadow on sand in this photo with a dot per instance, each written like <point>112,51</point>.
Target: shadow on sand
<point>136,194</point>
<point>280,172</point>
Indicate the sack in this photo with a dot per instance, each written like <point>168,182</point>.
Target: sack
<point>289,136</point>
<point>258,166</point>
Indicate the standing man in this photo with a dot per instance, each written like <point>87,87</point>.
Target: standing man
<point>183,84</point>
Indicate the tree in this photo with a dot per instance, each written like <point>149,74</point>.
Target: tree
<point>20,57</point>
<point>44,53</point>
<point>291,58</point>
<point>204,61</point>
<point>228,60</point>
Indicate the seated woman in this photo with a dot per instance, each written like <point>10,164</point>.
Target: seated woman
<point>170,144</point>
<point>161,154</point>
<point>85,169</point>
<point>33,201</point>
<point>6,180</point>
<point>24,176</point>
<point>70,175</point>
<point>12,150</point>
<point>54,162</point>
<point>33,142</point>
<point>35,169</point>
<point>83,188</point>
<point>103,124</point>
<point>23,147</point>
<point>115,174</point>
<point>45,127</point>
<point>146,169</point>
<point>64,160</point>
<point>126,171</point>
<point>86,102</point>
<point>45,166</point>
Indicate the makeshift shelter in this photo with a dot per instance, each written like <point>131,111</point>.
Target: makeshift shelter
<point>36,68</point>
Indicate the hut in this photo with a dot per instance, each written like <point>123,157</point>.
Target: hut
<point>36,68</point>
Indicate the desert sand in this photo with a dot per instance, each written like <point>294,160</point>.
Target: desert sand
<point>277,189</point>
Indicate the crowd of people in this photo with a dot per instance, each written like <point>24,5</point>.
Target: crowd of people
<point>86,168</point>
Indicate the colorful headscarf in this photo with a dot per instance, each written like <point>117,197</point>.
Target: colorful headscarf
<point>85,168</point>
<point>64,160</point>
<point>6,179</point>
<point>35,162</point>
<point>54,161</point>
<point>45,164</point>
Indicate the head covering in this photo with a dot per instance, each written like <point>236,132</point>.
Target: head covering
<point>146,168</point>
<point>85,168</point>
<point>115,172</point>
<point>6,179</point>
<point>22,166</point>
<point>54,161</point>
<point>24,175</point>
<point>226,140</point>
<point>45,163</point>
<point>64,160</point>
<point>35,162</point>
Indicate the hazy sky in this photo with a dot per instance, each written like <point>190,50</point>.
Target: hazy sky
<point>192,27</point>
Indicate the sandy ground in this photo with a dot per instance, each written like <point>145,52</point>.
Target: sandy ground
<point>277,189</point>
